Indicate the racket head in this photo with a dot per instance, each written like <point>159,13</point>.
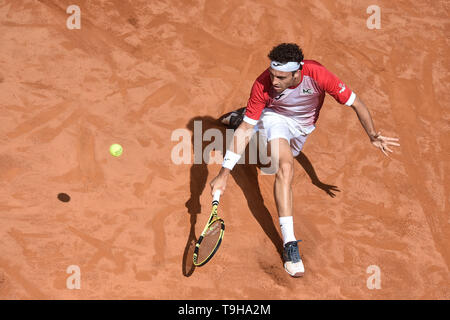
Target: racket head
<point>209,242</point>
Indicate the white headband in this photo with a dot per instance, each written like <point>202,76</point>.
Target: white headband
<point>286,67</point>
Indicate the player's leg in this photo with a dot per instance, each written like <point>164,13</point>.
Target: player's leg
<point>280,150</point>
<point>281,153</point>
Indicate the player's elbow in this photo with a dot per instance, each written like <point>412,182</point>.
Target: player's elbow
<point>358,105</point>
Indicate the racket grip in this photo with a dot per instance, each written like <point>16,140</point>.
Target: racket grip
<point>216,196</point>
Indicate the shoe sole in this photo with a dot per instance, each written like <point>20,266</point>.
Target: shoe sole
<point>222,118</point>
<point>226,115</point>
<point>295,275</point>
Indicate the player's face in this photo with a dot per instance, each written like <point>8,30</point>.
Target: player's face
<point>282,80</point>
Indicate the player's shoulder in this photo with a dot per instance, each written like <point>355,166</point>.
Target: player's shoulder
<point>264,75</point>
<point>316,70</point>
<point>312,66</point>
<point>263,80</point>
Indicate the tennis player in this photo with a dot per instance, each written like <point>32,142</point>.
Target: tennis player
<point>284,105</point>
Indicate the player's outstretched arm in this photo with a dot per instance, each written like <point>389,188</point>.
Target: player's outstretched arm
<point>241,138</point>
<point>375,137</point>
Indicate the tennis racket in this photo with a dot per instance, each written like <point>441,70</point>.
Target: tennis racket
<point>211,237</point>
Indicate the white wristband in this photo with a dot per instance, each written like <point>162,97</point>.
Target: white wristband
<point>230,159</point>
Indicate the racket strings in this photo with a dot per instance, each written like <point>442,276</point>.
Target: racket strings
<point>210,241</point>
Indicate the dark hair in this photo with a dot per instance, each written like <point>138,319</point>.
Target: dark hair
<point>286,52</point>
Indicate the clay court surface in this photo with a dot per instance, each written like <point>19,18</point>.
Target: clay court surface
<point>138,70</point>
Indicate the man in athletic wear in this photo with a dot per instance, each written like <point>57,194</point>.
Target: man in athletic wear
<point>284,106</point>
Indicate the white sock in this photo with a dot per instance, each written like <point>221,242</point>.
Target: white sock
<point>287,229</point>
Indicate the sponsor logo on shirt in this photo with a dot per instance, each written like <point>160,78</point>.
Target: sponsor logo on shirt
<point>279,97</point>
<point>307,91</point>
<point>342,86</point>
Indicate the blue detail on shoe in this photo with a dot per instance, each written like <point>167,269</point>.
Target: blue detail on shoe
<point>291,252</point>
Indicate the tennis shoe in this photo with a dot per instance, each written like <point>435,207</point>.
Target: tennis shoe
<point>233,119</point>
<point>292,262</point>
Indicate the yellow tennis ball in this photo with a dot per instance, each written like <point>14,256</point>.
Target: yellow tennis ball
<point>115,150</point>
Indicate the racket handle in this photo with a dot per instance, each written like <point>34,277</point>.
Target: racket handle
<point>216,196</point>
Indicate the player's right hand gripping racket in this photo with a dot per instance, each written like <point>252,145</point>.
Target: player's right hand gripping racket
<point>211,237</point>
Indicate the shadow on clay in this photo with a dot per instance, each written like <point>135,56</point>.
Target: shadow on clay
<point>246,176</point>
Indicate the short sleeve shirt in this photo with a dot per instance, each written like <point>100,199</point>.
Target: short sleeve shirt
<point>301,103</point>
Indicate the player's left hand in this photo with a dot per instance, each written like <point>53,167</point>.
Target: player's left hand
<point>383,143</point>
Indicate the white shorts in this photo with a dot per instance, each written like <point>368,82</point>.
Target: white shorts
<point>272,125</point>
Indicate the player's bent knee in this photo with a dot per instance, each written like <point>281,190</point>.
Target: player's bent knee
<point>285,172</point>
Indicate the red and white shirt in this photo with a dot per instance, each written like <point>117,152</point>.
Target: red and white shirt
<point>301,103</point>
